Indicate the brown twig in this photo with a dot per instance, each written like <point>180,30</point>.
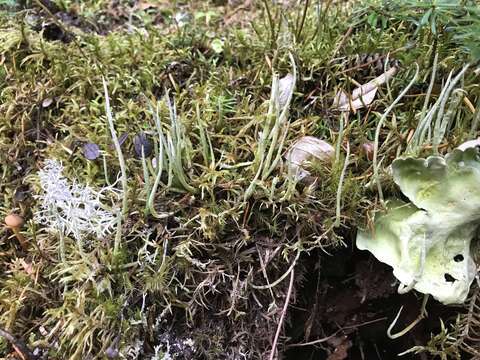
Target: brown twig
<point>375,60</point>
<point>282,317</point>
<point>229,18</point>
<point>270,22</point>
<point>324,339</point>
<point>342,41</point>
<point>18,345</point>
<point>302,21</point>
<point>264,271</point>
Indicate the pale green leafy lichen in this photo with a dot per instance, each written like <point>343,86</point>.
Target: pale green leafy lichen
<point>427,241</point>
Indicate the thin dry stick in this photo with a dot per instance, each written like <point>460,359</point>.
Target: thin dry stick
<point>375,60</point>
<point>264,271</point>
<point>304,15</point>
<point>342,41</point>
<point>475,121</point>
<point>318,341</point>
<point>465,332</point>
<point>19,346</point>
<point>282,317</point>
<point>270,22</point>
<point>280,279</point>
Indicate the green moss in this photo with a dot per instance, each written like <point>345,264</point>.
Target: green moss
<point>202,258</point>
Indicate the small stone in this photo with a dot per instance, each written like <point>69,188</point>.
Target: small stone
<point>91,151</point>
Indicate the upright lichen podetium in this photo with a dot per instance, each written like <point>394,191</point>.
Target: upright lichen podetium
<point>123,169</point>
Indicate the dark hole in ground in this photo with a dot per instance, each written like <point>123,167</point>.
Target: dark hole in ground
<point>349,300</point>
<point>53,32</point>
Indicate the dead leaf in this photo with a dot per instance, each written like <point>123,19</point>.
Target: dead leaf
<point>285,89</point>
<point>342,345</point>
<point>47,102</point>
<point>469,144</point>
<point>29,269</point>
<point>152,4</point>
<point>307,149</point>
<point>362,95</point>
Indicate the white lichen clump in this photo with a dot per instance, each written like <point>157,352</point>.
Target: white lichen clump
<point>70,208</point>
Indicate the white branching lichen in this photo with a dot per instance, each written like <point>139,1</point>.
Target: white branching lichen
<point>72,209</point>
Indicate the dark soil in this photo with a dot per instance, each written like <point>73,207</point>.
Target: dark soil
<point>349,300</point>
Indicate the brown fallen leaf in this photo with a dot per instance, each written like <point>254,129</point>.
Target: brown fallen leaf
<point>306,150</point>
<point>469,144</point>
<point>362,95</point>
<point>144,4</point>
<point>285,87</point>
<point>47,102</point>
<point>342,345</point>
<point>28,267</point>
